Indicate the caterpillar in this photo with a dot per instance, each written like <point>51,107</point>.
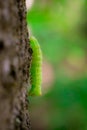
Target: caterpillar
<point>36,68</point>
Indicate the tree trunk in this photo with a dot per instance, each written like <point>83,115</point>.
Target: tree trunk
<point>15,59</point>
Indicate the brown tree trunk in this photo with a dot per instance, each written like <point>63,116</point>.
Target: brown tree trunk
<point>15,57</point>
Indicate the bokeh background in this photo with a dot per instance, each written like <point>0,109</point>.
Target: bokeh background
<point>61,29</point>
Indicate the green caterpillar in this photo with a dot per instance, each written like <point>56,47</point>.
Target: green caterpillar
<point>36,68</point>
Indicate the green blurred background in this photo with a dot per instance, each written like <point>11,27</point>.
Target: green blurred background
<point>61,29</point>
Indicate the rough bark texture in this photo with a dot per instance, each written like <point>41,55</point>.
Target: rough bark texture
<point>15,58</point>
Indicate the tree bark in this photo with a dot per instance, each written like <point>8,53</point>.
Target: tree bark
<point>15,59</point>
